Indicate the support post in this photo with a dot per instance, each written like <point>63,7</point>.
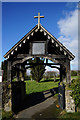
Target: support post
<point>8,84</point>
<point>22,78</point>
<point>22,72</point>
<point>17,75</point>
<point>68,72</point>
<point>9,69</point>
<point>60,73</point>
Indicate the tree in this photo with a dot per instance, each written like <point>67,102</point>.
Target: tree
<point>73,73</point>
<point>75,85</point>
<point>50,74</point>
<point>37,71</point>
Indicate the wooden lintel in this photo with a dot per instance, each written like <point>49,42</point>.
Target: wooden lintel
<point>43,64</point>
<point>21,58</point>
<point>54,67</point>
<point>49,55</point>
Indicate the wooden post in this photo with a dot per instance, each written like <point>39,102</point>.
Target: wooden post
<point>68,72</point>
<point>17,75</point>
<point>22,78</point>
<point>60,73</point>
<point>23,71</point>
<point>9,70</point>
<point>63,69</point>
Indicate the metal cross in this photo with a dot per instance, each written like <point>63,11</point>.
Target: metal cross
<point>38,19</point>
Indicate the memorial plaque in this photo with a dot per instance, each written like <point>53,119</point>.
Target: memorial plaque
<point>38,48</point>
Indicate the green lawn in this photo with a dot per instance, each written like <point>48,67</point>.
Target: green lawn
<point>7,115</point>
<point>74,77</point>
<point>33,86</point>
<point>70,116</point>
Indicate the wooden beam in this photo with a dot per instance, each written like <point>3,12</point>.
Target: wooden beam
<point>21,58</point>
<point>49,55</point>
<point>42,64</point>
<point>54,67</point>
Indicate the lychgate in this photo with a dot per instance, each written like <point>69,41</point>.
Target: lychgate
<point>38,42</point>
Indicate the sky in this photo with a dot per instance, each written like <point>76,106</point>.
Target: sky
<point>60,19</point>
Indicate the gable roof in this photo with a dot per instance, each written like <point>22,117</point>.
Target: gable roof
<point>49,35</point>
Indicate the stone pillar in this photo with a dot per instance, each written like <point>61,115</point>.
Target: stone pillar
<point>68,72</point>
<point>69,102</point>
<point>8,94</point>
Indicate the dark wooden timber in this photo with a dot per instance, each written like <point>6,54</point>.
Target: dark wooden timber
<point>60,72</point>
<point>22,51</point>
<point>9,71</point>
<point>68,72</point>
<point>49,55</point>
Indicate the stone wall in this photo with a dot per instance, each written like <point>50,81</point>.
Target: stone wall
<point>69,102</point>
<point>0,100</point>
<point>13,95</point>
<point>6,96</point>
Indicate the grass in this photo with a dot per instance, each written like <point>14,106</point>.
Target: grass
<point>74,77</point>
<point>7,115</point>
<point>33,86</point>
<point>70,116</point>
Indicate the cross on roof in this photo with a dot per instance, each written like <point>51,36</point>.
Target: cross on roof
<point>38,19</point>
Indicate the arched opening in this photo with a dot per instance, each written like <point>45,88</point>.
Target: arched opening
<point>33,92</point>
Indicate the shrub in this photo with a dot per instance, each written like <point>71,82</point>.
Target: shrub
<point>75,85</point>
<point>73,73</point>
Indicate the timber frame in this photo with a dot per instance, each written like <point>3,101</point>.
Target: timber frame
<point>55,51</point>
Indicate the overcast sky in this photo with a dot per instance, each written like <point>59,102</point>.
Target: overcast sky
<point>61,20</point>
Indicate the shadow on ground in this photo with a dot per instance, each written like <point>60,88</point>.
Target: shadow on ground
<point>21,101</point>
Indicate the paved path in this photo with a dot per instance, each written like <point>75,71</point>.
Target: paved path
<point>29,112</point>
